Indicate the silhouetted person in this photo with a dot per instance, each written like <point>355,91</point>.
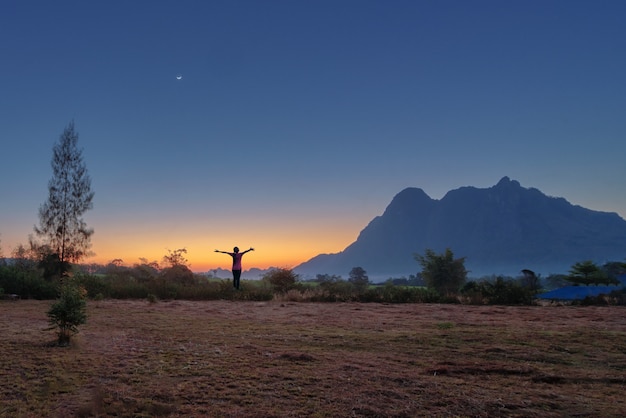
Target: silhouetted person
<point>236,255</point>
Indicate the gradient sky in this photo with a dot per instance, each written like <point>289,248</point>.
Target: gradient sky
<point>296,122</point>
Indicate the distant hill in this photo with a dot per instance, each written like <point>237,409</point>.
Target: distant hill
<point>500,230</point>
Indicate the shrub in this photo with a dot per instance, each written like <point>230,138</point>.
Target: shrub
<point>94,285</point>
<point>616,297</point>
<point>178,273</point>
<point>123,288</point>
<point>164,289</point>
<point>27,283</point>
<point>69,311</point>
<point>500,292</point>
<point>335,291</point>
<point>619,297</point>
<point>407,294</point>
<point>302,294</point>
<point>281,279</point>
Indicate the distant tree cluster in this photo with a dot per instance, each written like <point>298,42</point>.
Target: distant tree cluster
<point>358,278</point>
<point>155,281</point>
<point>587,272</point>
<point>442,272</point>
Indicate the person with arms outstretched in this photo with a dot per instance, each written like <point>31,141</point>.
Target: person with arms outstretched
<point>236,255</point>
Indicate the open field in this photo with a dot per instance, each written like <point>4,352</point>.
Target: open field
<point>273,359</point>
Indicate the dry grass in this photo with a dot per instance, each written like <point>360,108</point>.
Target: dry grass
<point>281,359</point>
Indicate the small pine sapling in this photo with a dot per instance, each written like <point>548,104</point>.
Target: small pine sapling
<point>68,312</point>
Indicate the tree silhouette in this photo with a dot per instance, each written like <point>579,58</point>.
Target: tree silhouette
<point>587,272</point>
<point>178,270</point>
<point>358,277</point>
<point>69,197</point>
<point>530,280</point>
<point>442,272</point>
<point>281,279</point>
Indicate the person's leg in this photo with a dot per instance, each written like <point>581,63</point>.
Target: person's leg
<point>236,278</point>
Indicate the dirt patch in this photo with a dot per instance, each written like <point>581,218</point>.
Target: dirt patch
<point>270,359</point>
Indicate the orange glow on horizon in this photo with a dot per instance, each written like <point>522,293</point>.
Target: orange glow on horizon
<point>211,260</point>
<point>201,256</point>
<point>279,241</point>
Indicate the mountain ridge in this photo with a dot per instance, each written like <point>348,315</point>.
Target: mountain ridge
<point>500,230</point>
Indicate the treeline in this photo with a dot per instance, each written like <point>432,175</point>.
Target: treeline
<point>147,282</point>
<point>443,279</point>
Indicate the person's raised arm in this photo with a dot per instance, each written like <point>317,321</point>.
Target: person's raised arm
<point>250,249</point>
<point>223,252</point>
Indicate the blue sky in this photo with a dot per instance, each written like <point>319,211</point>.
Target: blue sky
<point>296,122</point>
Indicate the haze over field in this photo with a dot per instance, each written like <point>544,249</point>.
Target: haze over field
<point>288,126</point>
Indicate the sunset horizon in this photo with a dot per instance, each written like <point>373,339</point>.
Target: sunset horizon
<point>289,126</point>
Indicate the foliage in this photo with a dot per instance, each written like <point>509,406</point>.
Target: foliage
<point>358,277</point>
<point>326,278</point>
<point>442,272</point>
<point>498,292</point>
<point>69,311</point>
<point>335,290</point>
<point>148,281</point>
<point>27,283</point>
<point>95,286</point>
<point>389,293</point>
<point>413,280</point>
<point>69,197</point>
<point>120,287</point>
<point>24,258</point>
<point>555,281</point>
<point>618,297</point>
<point>176,258</point>
<point>178,273</point>
<point>615,298</point>
<point>281,279</point>
<point>531,281</point>
<point>614,268</point>
<point>146,271</point>
<point>282,284</point>
<point>52,266</point>
<point>587,272</point>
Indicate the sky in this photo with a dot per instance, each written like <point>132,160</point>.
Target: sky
<point>295,123</point>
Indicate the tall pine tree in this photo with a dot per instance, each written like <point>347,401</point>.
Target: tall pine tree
<point>60,218</point>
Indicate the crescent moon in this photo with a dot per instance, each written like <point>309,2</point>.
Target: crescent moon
<point>179,77</point>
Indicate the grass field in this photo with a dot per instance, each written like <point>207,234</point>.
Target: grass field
<point>273,359</point>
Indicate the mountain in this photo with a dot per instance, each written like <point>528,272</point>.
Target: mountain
<point>500,230</point>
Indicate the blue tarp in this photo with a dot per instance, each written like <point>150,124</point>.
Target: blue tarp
<point>581,292</point>
<point>578,292</point>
